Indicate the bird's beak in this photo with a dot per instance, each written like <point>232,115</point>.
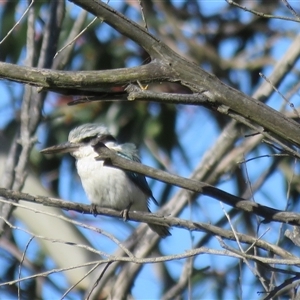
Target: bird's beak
<point>62,148</point>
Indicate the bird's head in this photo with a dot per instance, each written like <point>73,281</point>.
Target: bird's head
<point>82,139</point>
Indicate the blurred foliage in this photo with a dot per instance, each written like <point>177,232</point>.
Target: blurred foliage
<point>226,41</point>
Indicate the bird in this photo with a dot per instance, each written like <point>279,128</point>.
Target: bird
<point>105,185</point>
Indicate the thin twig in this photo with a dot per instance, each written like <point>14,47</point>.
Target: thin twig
<point>74,285</point>
<point>291,9</point>
<point>280,94</point>
<point>21,263</point>
<point>260,14</point>
<point>18,22</point>
<point>143,15</point>
<point>136,260</point>
<point>76,37</point>
<point>98,280</point>
<point>110,236</point>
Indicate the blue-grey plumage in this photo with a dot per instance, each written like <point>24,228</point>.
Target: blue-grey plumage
<point>107,186</point>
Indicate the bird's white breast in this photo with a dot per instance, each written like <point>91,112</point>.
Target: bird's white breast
<point>107,186</point>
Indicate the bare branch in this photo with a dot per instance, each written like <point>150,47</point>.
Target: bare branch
<point>81,82</point>
<point>278,216</point>
<point>261,14</point>
<point>270,214</point>
<point>18,22</point>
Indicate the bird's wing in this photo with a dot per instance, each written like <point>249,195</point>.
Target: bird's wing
<point>136,178</point>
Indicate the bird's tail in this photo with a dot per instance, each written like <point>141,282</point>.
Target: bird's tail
<point>161,230</point>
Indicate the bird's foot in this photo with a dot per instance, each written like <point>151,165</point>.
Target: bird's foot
<point>93,209</point>
<point>124,213</point>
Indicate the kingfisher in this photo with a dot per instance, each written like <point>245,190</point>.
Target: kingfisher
<point>104,185</point>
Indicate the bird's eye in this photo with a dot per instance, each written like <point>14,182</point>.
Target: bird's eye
<point>88,139</point>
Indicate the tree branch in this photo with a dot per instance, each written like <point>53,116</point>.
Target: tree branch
<point>14,196</point>
<point>111,158</point>
<point>154,47</point>
<point>190,75</point>
<point>167,66</point>
<point>77,82</point>
<point>137,94</point>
